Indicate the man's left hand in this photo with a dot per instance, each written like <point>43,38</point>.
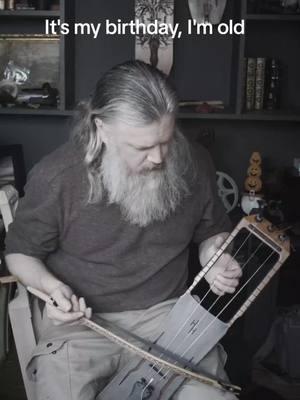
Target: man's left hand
<point>224,275</point>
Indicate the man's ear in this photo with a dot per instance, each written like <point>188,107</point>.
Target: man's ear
<point>100,130</point>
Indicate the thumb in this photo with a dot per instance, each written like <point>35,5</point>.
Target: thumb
<point>219,241</point>
<point>62,295</point>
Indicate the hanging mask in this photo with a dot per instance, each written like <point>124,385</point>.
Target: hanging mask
<point>207,10</point>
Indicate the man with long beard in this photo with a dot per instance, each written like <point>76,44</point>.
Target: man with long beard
<point>106,223</point>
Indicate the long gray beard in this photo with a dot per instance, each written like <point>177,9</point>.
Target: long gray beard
<point>151,196</point>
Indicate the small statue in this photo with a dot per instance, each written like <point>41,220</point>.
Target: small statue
<point>253,182</point>
<point>207,11</point>
<point>16,73</point>
<point>253,199</point>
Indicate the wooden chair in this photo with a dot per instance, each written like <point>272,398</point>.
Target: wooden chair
<point>19,308</point>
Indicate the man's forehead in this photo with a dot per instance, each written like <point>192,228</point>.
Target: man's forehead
<point>148,135</point>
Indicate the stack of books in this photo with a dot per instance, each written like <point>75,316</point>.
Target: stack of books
<point>260,83</point>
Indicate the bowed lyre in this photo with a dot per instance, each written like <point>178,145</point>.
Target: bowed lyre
<point>198,320</point>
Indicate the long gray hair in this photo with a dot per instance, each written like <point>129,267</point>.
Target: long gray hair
<point>134,92</point>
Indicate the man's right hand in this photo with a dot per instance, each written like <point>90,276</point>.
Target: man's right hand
<point>70,309</point>
<point>33,272</point>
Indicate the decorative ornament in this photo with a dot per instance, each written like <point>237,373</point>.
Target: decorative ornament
<point>253,182</point>
<point>252,199</point>
<point>254,170</point>
<point>255,158</point>
<point>155,49</point>
<point>209,11</point>
<point>227,191</point>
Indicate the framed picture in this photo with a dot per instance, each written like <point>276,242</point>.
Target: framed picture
<point>38,54</point>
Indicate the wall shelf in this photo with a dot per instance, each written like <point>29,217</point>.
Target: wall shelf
<point>264,115</point>
<point>273,17</point>
<point>39,112</point>
<point>31,22</point>
<point>246,116</point>
<point>29,13</point>
<point>224,80</point>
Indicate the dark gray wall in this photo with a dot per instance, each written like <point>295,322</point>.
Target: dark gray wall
<point>278,142</point>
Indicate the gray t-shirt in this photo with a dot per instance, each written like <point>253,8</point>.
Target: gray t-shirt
<point>115,265</point>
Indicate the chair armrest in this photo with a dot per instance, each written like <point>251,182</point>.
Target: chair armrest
<point>7,279</point>
<point>20,316</point>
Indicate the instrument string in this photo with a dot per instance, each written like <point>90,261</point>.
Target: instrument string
<point>225,307</point>
<point>148,384</point>
<point>215,301</point>
<point>234,297</point>
<point>202,300</point>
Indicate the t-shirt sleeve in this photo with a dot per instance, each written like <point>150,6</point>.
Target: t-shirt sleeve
<point>34,231</point>
<point>214,219</point>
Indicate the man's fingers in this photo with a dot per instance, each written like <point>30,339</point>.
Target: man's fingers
<point>230,274</point>
<point>82,305</point>
<point>234,269</point>
<point>62,302</point>
<point>88,313</point>
<point>223,288</point>
<point>75,303</point>
<point>55,314</point>
<point>228,282</point>
<point>220,289</point>
<point>216,290</point>
<point>62,295</point>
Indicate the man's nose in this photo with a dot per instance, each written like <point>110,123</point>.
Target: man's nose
<point>155,155</point>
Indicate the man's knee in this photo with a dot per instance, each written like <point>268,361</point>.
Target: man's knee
<point>49,369</point>
<point>72,369</point>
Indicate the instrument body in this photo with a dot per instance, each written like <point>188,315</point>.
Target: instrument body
<point>181,335</point>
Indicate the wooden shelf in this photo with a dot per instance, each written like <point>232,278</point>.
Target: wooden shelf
<point>195,115</point>
<point>246,116</point>
<point>38,112</point>
<point>278,115</point>
<point>29,13</point>
<point>273,17</point>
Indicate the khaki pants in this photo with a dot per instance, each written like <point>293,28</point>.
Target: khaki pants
<point>74,363</point>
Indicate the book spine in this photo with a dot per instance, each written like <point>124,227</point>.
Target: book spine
<point>244,79</point>
<point>260,83</point>
<point>250,83</point>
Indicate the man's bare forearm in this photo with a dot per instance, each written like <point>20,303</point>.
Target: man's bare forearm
<point>31,271</point>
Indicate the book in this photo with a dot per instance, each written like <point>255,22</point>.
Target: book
<point>260,83</point>
<point>250,83</point>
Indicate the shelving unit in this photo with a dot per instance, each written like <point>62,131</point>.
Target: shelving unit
<point>267,35</point>
<point>41,111</point>
<point>224,65</point>
<point>274,36</point>
<point>273,17</point>
<point>29,13</point>
<point>32,22</point>
<point>246,116</point>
